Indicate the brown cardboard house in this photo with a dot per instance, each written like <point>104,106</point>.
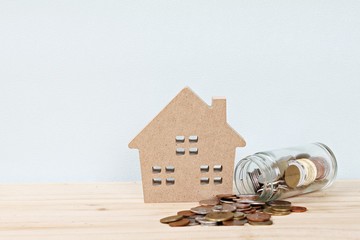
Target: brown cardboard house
<point>187,151</point>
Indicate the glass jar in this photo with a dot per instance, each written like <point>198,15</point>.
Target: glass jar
<point>286,172</point>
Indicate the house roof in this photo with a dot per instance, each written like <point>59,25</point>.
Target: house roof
<point>185,101</point>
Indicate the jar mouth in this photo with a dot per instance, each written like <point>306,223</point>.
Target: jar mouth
<point>246,184</point>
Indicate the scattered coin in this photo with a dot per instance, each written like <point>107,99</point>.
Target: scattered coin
<point>252,210</point>
<point>239,215</point>
<point>279,213</point>
<point>279,203</point>
<point>209,202</point>
<point>224,208</point>
<point>258,217</point>
<point>242,205</point>
<point>234,222</point>
<point>193,222</point>
<point>269,222</point>
<point>201,209</point>
<point>225,200</point>
<point>225,196</point>
<point>248,197</point>
<point>281,208</point>
<point>180,223</point>
<point>205,222</point>
<point>234,214</point>
<point>219,216</point>
<point>171,219</point>
<point>268,210</point>
<point>186,213</point>
<point>298,209</point>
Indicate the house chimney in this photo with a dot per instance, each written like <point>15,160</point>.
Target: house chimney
<point>219,108</point>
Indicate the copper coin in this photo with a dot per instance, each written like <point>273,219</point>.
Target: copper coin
<point>201,209</point>
<point>298,209</point>
<point>235,222</point>
<point>281,208</point>
<point>248,196</point>
<point>258,217</point>
<point>279,203</point>
<point>226,200</point>
<point>225,195</point>
<point>209,202</point>
<point>242,205</point>
<point>269,222</point>
<point>320,167</point>
<point>257,203</point>
<point>244,210</point>
<point>186,213</point>
<point>171,219</point>
<point>180,223</point>
<point>253,210</point>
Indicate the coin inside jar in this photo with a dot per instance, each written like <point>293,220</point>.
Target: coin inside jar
<point>292,176</point>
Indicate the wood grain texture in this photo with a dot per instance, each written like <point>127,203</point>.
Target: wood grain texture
<point>116,211</point>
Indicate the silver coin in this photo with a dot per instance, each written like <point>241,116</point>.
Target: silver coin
<point>205,222</point>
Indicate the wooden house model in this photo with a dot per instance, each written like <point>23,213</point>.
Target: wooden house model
<point>187,151</point>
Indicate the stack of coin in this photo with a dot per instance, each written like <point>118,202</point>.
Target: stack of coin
<point>259,218</point>
<point>232,210</point>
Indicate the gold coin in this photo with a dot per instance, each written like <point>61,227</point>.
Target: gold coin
<point>281,208</point>
<point>292,176</point>
<point>239,215</point>
<point>278,203</point>
<point>219,216</point>
<point>171,219</point>
<point>268,210</point>
<point>275,213</point>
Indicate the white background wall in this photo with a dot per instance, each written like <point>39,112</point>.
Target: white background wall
<point>79,79</point>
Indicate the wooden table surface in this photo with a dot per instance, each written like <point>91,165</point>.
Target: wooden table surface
<point>116,211</point>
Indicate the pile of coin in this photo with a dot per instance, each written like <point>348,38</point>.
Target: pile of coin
<point>232,210</point>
